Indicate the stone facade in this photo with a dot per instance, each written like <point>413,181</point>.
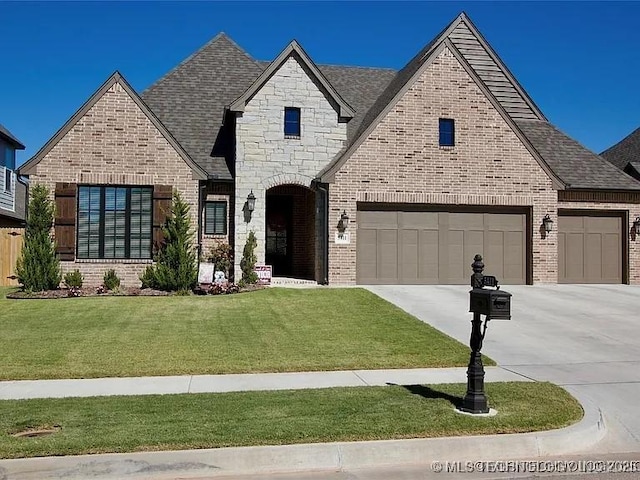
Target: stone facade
<point>401,162</point>
<point>115,143</point>
<point>265,158</point>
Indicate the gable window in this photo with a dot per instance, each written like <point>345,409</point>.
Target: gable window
<point>114,222</point>
<point>291,122</point>
<point>215,218</point>
<point>447,132</point>
<point>7,160</point>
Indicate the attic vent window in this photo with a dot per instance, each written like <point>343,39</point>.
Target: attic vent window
<point>291,122</point>
<point>447,132</point>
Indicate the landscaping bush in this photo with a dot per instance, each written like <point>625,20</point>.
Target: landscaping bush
<point>249,259</point>
<point>223,288</point>
<point>111,280</point>
<point>38,268</point>
<point>73,279</point>
<point>176,268</point>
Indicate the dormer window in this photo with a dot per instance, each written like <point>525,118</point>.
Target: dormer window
<point>291,122</point>
<point>447,132</point>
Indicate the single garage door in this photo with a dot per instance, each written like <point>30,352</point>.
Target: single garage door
<point>437,247</point>
<point>589,249</point>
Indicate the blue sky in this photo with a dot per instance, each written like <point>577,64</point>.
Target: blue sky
<point>579,61</point>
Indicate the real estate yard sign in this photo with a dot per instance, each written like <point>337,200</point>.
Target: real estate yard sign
<point>264,274</point>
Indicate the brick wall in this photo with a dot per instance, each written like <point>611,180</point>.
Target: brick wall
<point>265,158</point>
<point>401,161</point>
<point>115,143</point>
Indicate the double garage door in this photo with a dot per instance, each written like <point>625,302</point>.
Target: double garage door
<point>401,246</point>
<point>406,245</point>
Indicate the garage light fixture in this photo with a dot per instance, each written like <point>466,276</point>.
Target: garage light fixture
<point>343,223</point>
<point>547,223</point>
<point>251,202</point>
<point>636,225</point>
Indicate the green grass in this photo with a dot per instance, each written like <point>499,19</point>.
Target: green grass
<point>271,330</point>
<point>124,424</point>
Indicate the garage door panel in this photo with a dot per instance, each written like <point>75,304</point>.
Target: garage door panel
<point>473,244</point>
<point>367,252</point>
<point>451,271</point>
<point>429,254</point>
<point>382,219</point>
<point>419,220</point>
<point>388,254</point>
<point>466,221</point>
<point>409,254</point>
<point>514,257</point>
<point>589,249</point>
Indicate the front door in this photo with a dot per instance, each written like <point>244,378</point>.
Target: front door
<point>278,252</point>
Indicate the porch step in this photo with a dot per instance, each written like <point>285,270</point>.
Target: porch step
<point>292,282</point>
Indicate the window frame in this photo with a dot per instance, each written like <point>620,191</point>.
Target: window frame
<point>297,132</point>
<point>225,215</point>
<point>444,133</point>
<point>102,214</point>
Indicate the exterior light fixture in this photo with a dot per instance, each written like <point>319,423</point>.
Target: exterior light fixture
<point>636,224</point>
<point>547,223</point>
<point>344,221</point>
<point>251,201</point>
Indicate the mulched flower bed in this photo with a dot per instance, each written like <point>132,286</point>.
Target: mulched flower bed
<point>87,292</point>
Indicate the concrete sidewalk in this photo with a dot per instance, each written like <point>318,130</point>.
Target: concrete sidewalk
<point>24,389</point>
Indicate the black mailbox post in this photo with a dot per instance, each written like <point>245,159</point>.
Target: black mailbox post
<point>487,299</point>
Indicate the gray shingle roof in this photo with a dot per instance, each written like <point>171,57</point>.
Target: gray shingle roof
<point>625,151</point>
<point>573,163</point>
<point>6,134</point>
<point>190,100</point>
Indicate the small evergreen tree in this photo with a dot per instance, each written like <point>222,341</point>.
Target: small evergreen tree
<point>249,259</point>
<point>176,268</point>
<point>38,268</point>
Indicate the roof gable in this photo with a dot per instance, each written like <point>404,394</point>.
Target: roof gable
<point>116,77</point>
<point>293,49</point>
<point>461,30</point>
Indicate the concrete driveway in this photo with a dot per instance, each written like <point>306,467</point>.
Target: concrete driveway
<point>583,337</point>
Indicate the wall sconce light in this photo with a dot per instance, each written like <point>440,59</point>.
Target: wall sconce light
<point>251,201</point>
<point>547,223</point>
<point>343,223</point>
<point>636,225</point>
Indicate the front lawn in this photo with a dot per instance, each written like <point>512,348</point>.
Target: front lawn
<point>168,422</point>
<point>271,330</point>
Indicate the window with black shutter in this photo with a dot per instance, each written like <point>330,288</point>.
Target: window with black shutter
<point>114,222</point>
<point>215,218</point>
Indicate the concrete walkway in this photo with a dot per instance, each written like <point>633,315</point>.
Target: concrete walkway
<point>23,389</point>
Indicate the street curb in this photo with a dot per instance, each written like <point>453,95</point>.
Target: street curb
<point>337,456</point>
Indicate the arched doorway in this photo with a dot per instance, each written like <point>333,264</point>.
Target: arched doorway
<point>290,233</point>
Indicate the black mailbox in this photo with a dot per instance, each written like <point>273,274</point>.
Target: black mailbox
<point>495,304</point>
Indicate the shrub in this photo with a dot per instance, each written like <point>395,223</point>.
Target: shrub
<point>223,288</point>
<point>73,279</point>
<point>111,280</point>
<point>249,259</point>
<point>176,268</point>
<point>38,268</point>
<point>221,255</point>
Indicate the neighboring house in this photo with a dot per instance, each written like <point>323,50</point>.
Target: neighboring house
<point>626,154</point>
<point>12,191</point>
<point>360,175</point>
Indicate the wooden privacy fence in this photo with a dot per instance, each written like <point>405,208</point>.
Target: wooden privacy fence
<point>10,246</point>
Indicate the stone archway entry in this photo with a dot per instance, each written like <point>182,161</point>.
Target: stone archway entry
<point>290,231</point>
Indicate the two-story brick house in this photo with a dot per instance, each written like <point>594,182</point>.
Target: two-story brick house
<point>355,175</point>
<point>12,191</point>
